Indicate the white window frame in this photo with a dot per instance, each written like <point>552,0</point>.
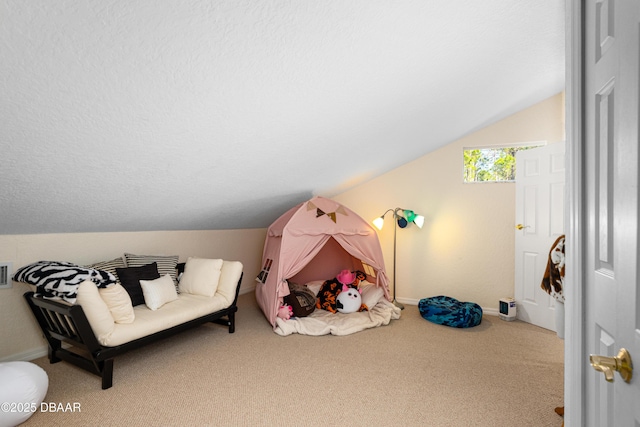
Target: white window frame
<point>496,147</point>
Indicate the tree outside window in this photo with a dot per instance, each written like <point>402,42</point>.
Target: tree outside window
<point>494,164</point>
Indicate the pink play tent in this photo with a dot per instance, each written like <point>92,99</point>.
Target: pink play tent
<point>315,240</point>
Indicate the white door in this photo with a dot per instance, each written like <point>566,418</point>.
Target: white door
<point>608,183</point>
<point>540,178</point>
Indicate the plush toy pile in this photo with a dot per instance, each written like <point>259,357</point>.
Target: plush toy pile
<point>346,281</point>
<point>342,294</point>
<point>301,299</point>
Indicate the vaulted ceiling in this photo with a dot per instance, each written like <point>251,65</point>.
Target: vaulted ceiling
<point>217,114</point>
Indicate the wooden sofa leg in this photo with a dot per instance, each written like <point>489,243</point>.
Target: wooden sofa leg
<point>107,374</point>
<point>232,322</point>
<point>52,353</point>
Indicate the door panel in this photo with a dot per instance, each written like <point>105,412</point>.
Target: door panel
<point>540,204</point>
<point>610,244</point>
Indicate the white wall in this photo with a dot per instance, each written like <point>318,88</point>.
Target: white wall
<point>20,338</point>
<point>466,248</point>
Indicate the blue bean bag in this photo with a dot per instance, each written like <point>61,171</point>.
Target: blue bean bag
<point>450,312</point>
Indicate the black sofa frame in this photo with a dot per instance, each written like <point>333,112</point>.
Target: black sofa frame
<point>61,323</point>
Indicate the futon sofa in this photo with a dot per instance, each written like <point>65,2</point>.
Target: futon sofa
<point>102,324</point>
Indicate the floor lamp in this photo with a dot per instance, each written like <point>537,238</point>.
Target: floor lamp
<point>401,218</point>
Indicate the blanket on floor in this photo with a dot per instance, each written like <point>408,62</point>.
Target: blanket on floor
<point>322,322</point>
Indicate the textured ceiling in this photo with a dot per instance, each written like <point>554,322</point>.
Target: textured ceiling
<point>149,115</point>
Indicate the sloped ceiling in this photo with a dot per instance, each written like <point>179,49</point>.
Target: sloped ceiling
<point>170,115</point>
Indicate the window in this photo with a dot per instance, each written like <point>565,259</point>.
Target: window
<point>262,277</point>
<point>368,270</point>
<point>493,164</point>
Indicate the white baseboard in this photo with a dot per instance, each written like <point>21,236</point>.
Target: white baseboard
<point>26,356</point>
<point>246,290</point>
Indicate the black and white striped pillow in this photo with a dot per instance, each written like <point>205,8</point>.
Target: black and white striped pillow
<point>166,263</point>
<point>109,266</point>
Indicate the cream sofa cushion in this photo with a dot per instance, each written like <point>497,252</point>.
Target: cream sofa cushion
<point>201,276</point>
<point>158,292</point>
<point>186,307</point>
<point>227,285</point>
<point>119,303</point>
<point>96,310</point>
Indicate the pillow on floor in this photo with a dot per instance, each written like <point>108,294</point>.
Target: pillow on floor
<point>130,279</point>
<point>314,286</point>
<point>371,294</point>
<point>158,292</point>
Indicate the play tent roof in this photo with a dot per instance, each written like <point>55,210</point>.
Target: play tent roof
<point>302,235</point>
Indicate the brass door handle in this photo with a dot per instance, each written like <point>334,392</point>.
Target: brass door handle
<point>606,365</point>
<point>520,226</point>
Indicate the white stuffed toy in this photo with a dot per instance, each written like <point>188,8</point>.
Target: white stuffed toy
<point>349,300</point>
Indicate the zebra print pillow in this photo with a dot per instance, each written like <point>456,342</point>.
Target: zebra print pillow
<point>54,279</point>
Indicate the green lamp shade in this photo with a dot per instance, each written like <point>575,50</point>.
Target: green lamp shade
<point>410,215</point>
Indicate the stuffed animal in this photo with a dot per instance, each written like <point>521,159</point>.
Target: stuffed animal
<point>285,312</point>
<point>349,300</point>
<point>331,289</point>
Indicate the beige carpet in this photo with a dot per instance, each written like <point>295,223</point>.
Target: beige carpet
<point>410,373</point>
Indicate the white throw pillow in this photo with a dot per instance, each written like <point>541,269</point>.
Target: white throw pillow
<point>201,276</point>
<point>371,294</point>
<point>119,303</point>
<point>158,292</point>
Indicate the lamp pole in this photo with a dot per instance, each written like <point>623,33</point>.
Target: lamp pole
<point>395,231</point>
<point>410,216</point>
